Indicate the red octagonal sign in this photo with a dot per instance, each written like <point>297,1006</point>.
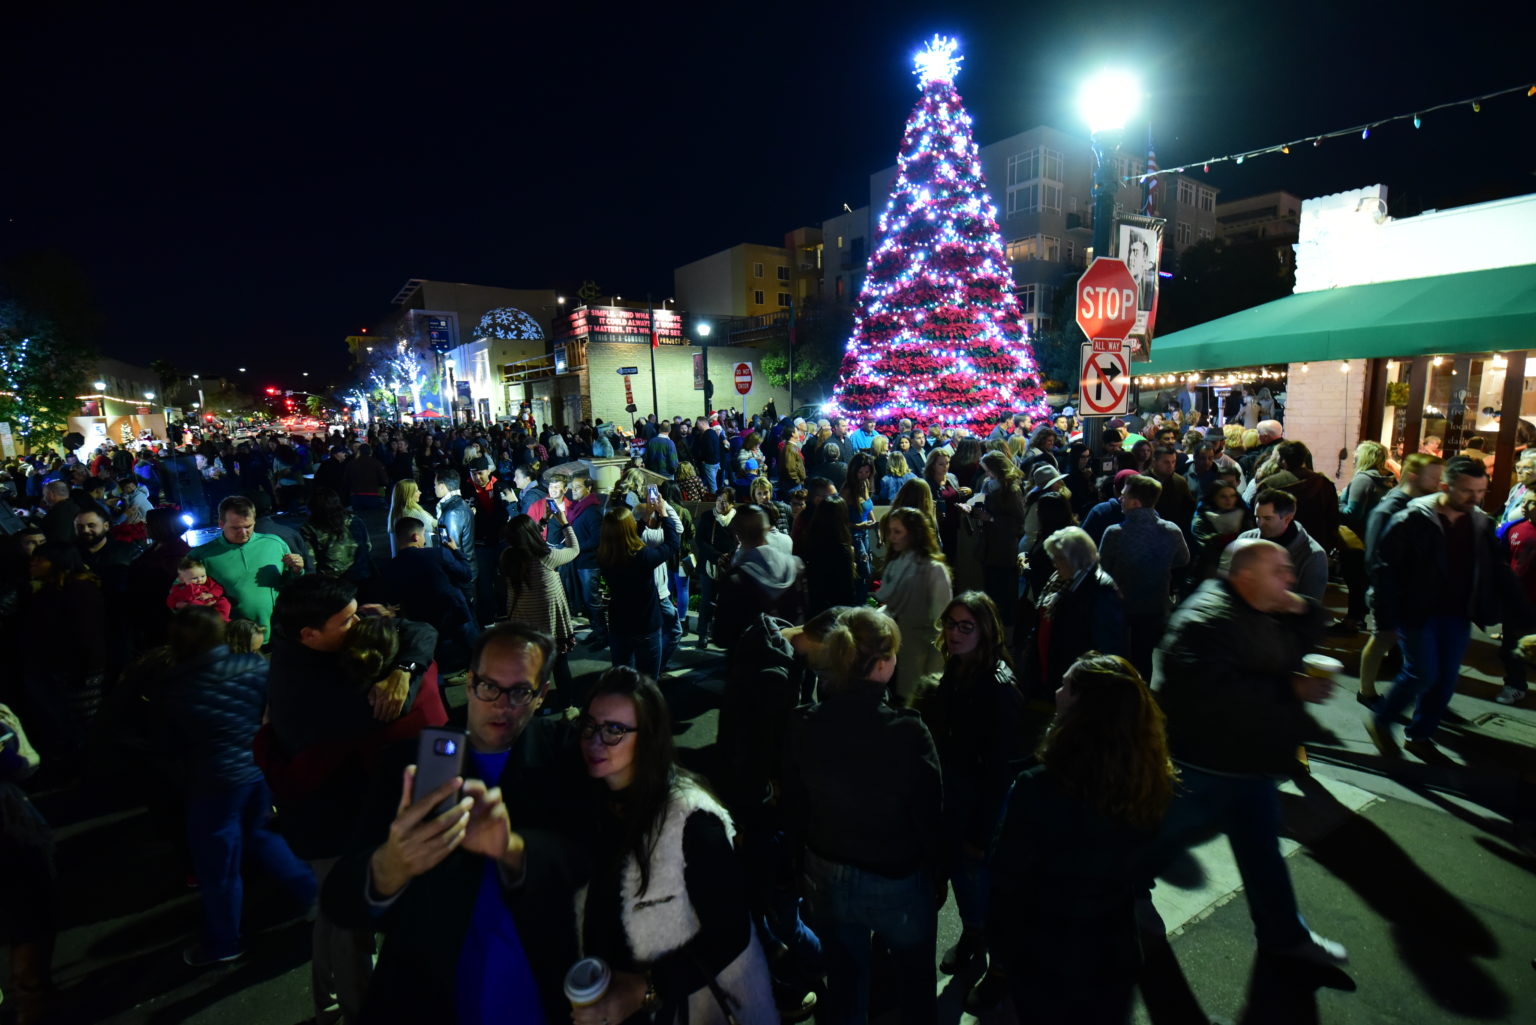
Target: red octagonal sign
<point>1106,299</point>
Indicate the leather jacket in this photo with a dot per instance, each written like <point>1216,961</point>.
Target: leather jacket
<point>456,521</point>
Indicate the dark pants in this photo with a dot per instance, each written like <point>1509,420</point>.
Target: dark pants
<point>592,598</point>
<point>642,651</point>
<point>1247,809</point>
<point>1002,585</point>
<point>226,828</point>
<point>849,907</point>
<point>1352,568</point>
<point>1518,618</point>
<point>1431,666</point>
<point>1146,629</point>
<point>487,603</point>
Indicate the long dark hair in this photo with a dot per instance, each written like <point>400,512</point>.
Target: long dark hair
<point>525,550</point>
<point>1108,748</point>
<point>326,511</point>
<point>643,803</point>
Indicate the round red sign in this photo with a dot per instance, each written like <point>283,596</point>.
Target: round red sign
<point>743,378</point>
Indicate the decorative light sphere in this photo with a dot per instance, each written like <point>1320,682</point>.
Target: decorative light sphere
<point>937,62</point>
<point>1109,99</point>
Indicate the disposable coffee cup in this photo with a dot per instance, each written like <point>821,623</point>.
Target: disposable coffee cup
<point>587,981</point>
<point>1322,667</point>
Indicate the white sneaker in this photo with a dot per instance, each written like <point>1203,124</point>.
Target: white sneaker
<point>1318,950</point>
<point>1511,695</point>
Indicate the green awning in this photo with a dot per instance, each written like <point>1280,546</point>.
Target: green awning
<point>1477,311</point>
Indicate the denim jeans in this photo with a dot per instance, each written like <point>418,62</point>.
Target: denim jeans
<point>679,583</point>
<point>643,651</point>
<point>1247,809</point>
<point>592,598</point>
<point>1431,666</point>
<point>224,829</point>
<point>709,473</point>
<point>847,905</point>
<point>671,632</point>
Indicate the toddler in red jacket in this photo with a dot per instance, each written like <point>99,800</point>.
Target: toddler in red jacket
<point>193,587</point>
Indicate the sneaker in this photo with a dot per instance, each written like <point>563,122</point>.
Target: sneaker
<point>1425,750</point>
<point>987,993</point>
<point>1315,949</point>
<point>1382,737</point>
<point>793,1006</point>
<point>1511,695</point>
<point>199,956</point>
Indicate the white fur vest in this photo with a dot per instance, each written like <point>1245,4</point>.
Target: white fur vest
<point>664,919</point>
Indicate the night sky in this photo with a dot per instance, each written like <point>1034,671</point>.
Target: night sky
<point>247,192</point>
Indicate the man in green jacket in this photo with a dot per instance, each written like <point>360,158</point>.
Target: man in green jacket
<point>251,567</point>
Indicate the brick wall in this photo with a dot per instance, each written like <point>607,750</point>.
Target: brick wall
<point>1323,409</point>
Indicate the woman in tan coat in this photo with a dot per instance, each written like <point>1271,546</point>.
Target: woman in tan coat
<point>535,595</point>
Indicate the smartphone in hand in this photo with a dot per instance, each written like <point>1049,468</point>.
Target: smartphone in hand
<point>652,495</point>
<point>439,758</point>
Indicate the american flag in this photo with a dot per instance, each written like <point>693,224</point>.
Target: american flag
<point>1149,204</point>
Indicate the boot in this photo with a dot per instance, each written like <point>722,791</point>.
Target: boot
<point>961,957</point>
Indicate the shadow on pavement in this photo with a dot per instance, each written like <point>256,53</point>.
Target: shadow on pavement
<point>1283,991</point>
<point>1437,936</point>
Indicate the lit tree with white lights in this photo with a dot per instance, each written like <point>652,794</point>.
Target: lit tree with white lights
<point>936,333</point>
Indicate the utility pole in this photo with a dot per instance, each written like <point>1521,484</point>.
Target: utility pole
<point>655,340</point>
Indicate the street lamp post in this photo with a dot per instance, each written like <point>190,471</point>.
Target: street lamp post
<point>1106,102</point>
<point>704,332</point>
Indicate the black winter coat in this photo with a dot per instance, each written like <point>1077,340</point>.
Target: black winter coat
<point>1223,677</point>
<point>976,719</point>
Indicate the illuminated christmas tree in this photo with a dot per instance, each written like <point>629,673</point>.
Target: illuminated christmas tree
<point>936,333</point>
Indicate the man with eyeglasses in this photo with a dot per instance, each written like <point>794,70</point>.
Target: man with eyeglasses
<point>322,736</point>
<point>477,904</point>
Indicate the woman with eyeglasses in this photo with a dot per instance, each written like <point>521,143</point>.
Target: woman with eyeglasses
<point>635,627</point>
<point>1063,913</point>
<point>862,806</point>
<point>976,716</point>
<point>666,905</point>
<point>913,589</point>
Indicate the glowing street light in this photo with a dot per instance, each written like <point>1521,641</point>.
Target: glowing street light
<point>1108,100</point>
<point>101,386</point>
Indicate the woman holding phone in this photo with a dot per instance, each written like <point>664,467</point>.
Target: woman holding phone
<point>629,566</point>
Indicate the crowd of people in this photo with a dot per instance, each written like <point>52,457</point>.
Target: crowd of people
<point>1008,667</point>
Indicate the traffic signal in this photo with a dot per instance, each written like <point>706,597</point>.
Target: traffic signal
<point>271,391</point>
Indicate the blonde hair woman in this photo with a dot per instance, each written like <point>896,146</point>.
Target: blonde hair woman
<point>863,798</point>
<point>406,502</point>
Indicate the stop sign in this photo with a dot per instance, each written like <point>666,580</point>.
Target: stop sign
<point>1106,299</point>
<point>743,378</point>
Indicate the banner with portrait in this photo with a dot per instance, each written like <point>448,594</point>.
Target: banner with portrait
<point>1139,242</point>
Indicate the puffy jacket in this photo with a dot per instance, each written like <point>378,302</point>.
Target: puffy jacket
<point>456,520</point>
<point>214,704</point>
<point>1223,677</point>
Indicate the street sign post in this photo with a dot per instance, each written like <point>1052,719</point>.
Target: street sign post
<point>1106,312</point>
<point>626,371</point>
